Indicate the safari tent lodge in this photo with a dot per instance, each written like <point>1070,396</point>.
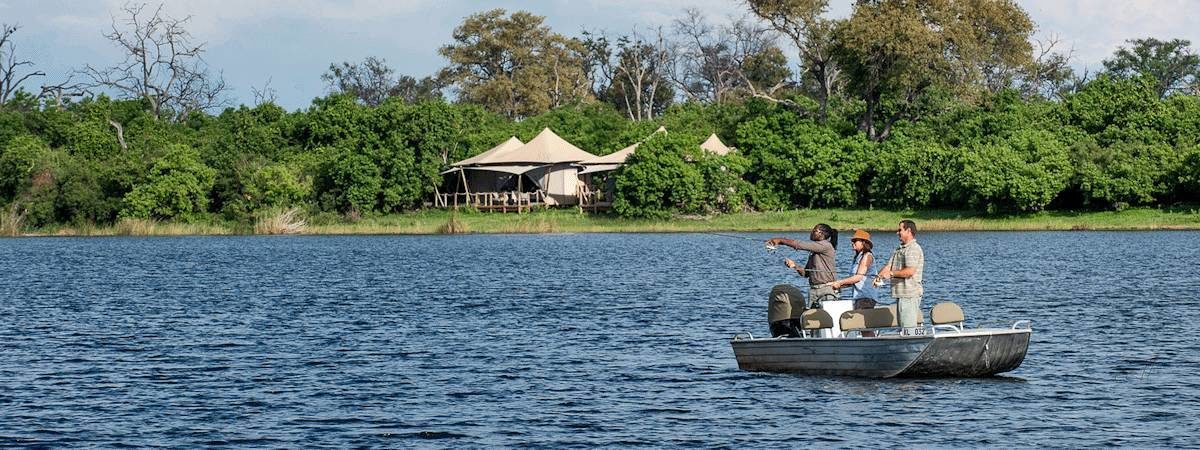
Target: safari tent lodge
<point>514,176</point>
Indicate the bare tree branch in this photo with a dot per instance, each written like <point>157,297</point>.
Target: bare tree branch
<point>10,78</point>
<point>162,65</point>
<point>265,95</point>
<point>62,91</point>
<point>120,133</point>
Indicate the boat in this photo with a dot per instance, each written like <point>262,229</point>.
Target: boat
<point>868,343</point>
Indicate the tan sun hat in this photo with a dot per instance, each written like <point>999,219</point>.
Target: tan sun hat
<point>862,234</point>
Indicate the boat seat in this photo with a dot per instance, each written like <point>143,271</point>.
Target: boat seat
<point>947,313</point>
<point>865,319</point>
<point>872,318</point>
<point>816,319</point>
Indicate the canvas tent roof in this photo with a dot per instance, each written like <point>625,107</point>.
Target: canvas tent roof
<point>483,158</point>
<point>545,148</point>
<point>714,144</point>
<point>515,170</point>
<point>617,157</point>
<point>590,168</point>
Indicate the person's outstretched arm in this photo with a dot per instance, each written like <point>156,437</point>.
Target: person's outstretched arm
<point>860,272</point>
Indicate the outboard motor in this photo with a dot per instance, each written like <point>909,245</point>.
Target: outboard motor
<point>785,307</point>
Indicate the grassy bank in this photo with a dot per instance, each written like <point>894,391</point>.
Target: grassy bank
<point>570,221</point>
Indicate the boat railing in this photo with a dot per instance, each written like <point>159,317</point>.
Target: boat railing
<point>1023,324</point>
<point>743,335</point>
<point>949,328</point>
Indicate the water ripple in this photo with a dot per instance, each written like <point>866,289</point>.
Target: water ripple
<point>564,341</point>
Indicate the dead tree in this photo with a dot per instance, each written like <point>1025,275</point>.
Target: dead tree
<point>632,78</point>
<point>726,63</point>
<point>700,64</point>
<point>265,95</point>
<point>1050,75</point>
<point>162,65</point>
<point>10,66</point>
<point>640,65</point>
<point>57,94</point>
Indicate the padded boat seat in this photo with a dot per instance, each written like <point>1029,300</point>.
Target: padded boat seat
<point>816,319</point>
<point>865,319</point>
<point>870,318</point>
<point>946,313</point>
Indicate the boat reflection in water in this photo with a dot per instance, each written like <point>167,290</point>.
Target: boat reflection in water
<point>868,343</point>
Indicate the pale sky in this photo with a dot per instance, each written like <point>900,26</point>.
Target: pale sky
<point>292,42</point>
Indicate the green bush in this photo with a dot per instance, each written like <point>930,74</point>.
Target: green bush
<point>82,198</point>
<point>661,178</point>
<point>177,187</point>
<point>18,160</point>
<point>1025,172</point>
<point>1115,110</point>
<point>92,139</point>
<point>797,163</point>
<point>348,181</point>
<point>909,173</point>
<point>725,188</point>
<point>1187,176</point>
<point>1124,174</point>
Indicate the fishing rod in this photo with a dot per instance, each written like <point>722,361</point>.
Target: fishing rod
<point>770,248</point>
<point>733,236</point>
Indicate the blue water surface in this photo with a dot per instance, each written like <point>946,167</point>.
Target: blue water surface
<point>565,341</point>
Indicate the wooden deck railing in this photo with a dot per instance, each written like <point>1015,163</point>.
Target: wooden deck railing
<point>594,200</point>
<point>501,201</point>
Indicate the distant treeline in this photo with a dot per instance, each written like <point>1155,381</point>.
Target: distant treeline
<point>955,119</point>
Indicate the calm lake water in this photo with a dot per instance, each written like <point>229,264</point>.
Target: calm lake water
<point>567,340</point>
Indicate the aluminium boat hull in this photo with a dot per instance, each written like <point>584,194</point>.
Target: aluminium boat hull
<point>970,353</point>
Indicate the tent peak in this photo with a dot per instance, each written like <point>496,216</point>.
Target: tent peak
<point>503,148</point>
<point>713,144</point>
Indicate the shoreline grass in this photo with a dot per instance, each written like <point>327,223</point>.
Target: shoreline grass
<point>571,221</point>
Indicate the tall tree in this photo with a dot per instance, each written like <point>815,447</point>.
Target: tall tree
<point>514,65</point>
<point>896,53</point>
<point>162,65</point>
<point>634,78</point>
<point>1173,63</point>
<point>802,22</point>
<point>720,64</point>
<point>10,66</point>
<point>373,81</point>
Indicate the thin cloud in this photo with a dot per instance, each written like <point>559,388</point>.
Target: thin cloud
<point>1095,28</point>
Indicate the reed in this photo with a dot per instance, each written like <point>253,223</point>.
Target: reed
<point>151,227</point>
<point>454,226</point>
<point>135,227</point>
<point>280,221</point>
<point>12,222</point>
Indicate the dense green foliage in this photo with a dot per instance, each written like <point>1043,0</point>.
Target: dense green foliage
<point>1111,145</point>
<point>899,105</point>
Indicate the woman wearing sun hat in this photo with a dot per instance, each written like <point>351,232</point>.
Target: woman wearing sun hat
<point>857,283</point>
